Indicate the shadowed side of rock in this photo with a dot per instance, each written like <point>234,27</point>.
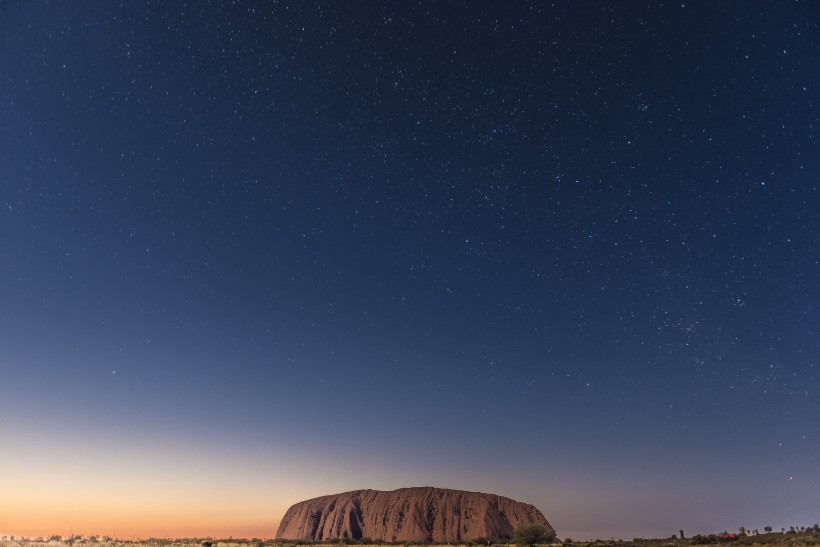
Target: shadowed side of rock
<point>409,514</point>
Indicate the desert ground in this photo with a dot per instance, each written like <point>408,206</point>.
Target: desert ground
<point>796,537</point>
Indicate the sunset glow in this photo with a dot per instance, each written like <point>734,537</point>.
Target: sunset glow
<point>254,253</point>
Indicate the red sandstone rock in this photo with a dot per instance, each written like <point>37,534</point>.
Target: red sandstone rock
<point>423,514</point>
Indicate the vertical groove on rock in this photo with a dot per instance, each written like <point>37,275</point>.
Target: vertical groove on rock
<point>409,514</point>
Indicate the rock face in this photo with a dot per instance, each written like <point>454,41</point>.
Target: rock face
<point>423,514</point>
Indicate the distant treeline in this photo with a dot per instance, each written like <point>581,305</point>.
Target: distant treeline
<point>794,536</point>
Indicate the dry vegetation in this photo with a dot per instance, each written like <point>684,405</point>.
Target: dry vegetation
<point>795,537</point>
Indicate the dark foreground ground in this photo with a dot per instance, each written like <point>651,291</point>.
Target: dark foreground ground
<point>806,538</point>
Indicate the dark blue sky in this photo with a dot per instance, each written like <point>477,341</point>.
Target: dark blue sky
<point>566,252</point>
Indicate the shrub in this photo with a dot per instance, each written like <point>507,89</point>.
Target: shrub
<point>531,534</point>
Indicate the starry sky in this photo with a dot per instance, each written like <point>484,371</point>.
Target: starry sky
<point>257,252</point>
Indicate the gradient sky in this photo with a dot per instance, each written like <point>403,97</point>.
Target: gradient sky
<point>257,252</point>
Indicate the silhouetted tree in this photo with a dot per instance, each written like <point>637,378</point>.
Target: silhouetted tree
<point>681,535</point>
<point>531,534</point>
<point>767,529</point>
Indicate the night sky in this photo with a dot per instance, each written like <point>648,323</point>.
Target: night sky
<point>257,252</point>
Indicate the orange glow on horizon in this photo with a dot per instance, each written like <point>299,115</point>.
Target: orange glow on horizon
<point>123,508</point>
<point>58,516</point>
<point>139,489</point>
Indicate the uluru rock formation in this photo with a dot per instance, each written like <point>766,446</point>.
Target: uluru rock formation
<point>422,514</point>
